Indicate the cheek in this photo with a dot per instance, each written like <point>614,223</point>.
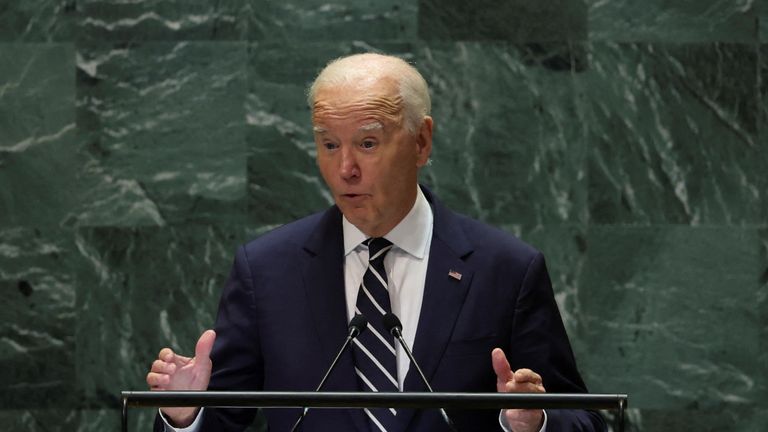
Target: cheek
<point>326,173</point>
<point>402,170</point>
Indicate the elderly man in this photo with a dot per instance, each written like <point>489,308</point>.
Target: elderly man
<point>475,303</point>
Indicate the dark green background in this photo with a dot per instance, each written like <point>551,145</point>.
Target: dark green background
<point>140,142</point>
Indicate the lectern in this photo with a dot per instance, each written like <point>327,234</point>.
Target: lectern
<point>226,399</point>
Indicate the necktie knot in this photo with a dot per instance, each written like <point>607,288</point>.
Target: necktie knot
<point>378,248</point>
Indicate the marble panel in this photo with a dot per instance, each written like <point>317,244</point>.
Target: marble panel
<point>675,22</point>
<point>763,95</point>
<point>97,420</point>
<point>40,420</point>
<point>145,288</point>
<point>162,20</point>
<point>164,125</point>
<point>337,20</point>
<point>38,21</point>
<point>508,148</point>
<point>37,320</point>
<point>730,418</point>
<point>670,315</point>
<point>762,306</point>
<point>762,11</point>
<point>672,134</point>
<point>39,162</point>
<point>240,20</point>
<point>515,20</point>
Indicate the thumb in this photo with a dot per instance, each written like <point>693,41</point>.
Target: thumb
<point>205,345</point>
<point>501,368</point>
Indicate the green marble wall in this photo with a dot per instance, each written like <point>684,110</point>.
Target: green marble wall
<point>141,141</point>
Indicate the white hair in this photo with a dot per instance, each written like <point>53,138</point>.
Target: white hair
<point>412,86</point>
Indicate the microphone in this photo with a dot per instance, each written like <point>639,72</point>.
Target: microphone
<point>393,325</point>
<point>356,326</point>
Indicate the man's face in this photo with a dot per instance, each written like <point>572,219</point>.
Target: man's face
<point>366,156</point>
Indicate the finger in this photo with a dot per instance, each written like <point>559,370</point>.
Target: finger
<point>205,345</point>
<point>157,381</point>
<point>501,367</point>
<point>516,387</point>
<point>527,376</point>
<point>159,366</point>
<point>166,355</point>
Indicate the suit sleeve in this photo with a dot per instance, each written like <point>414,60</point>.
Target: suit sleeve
<point>539,342</point>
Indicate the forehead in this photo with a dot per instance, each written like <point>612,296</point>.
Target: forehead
<point>359,102</point>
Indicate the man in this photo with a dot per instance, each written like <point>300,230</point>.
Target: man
<point>476,303</point>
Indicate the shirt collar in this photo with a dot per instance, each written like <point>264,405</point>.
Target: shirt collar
<point>410,235</point>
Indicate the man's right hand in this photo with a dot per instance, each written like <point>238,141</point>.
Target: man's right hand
<point>173,372</point>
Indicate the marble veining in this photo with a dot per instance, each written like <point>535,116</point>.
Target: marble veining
<point>142,141</point>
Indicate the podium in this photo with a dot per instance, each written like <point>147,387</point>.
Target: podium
<point>232,399</point>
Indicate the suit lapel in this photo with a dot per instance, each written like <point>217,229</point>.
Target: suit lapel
<point>446,286</point>
<point>324,285</point>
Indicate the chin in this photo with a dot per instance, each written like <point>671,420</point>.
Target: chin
<point>358,219</point>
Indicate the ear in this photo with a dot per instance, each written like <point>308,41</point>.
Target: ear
<point>424,142</point>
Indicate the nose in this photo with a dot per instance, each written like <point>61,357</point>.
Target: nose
<point>349,169</point>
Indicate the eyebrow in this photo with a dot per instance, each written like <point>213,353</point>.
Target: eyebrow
<point>366,127</point>
<point>371,126</point>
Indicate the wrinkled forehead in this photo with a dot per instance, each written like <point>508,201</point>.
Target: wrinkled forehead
<point>380,100</point>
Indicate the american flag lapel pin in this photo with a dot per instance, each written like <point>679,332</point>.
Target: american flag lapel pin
<point>454,274</point>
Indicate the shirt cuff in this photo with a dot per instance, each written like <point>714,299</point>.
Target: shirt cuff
<point>505,427</point>
<point>191,428</point>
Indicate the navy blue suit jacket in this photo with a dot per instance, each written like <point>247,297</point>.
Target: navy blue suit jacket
<point>282,317</point>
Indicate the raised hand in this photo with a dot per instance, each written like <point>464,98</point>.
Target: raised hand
<point>172,371</point>
<point>519,381</point>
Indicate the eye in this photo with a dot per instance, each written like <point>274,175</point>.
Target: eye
<point>330,145</point>
<point>368,144</point>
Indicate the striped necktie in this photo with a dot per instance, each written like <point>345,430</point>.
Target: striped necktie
<point>375,358</point>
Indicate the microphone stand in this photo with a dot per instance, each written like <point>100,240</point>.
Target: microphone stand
<point>356,326</point>
<point>395,328</point>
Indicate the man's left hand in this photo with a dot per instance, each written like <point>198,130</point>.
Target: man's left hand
<point>519,381</point>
